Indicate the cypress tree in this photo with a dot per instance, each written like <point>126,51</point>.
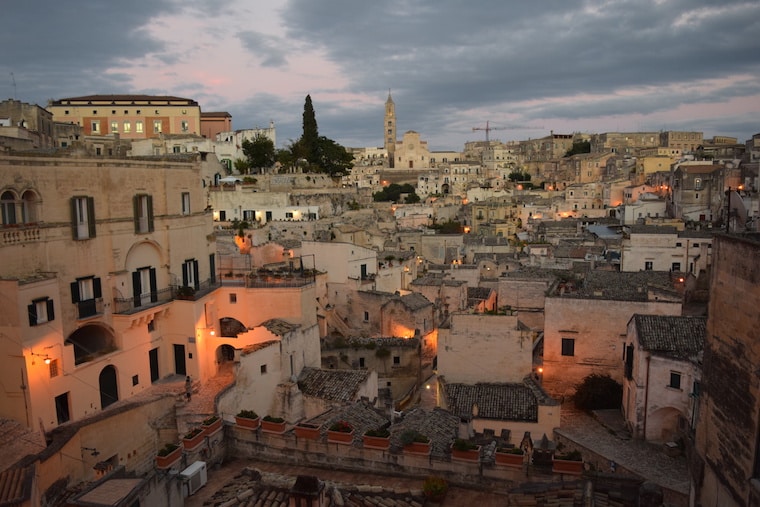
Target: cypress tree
<point>310,137</point>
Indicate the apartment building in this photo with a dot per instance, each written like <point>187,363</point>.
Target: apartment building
<point>129,116</point>
<point>664,248</point>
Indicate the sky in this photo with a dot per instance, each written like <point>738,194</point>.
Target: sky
<point>526,68</point>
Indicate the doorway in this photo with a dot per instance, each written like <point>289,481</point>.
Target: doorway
<point>153,360</point>
<point>180,368</point>
<point>109,392</point>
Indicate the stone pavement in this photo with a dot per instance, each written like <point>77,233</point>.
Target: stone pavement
<point>201,404</point>
<point>612,441</point>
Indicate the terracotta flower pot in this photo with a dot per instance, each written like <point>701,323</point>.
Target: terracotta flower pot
<point>340,437</point>
<point>273,427</point>
<point>376,442</point>
<point>193,443</point>
<point>244,422</point>
<point>420,448</point>
<point>509,459</point>
<point>210,429</point>
<point>562,466</point>
<point>307,431</point>
<point>164,462</point>
<point>472,455</point>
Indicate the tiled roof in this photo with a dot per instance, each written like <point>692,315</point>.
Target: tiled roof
<point>673,335</point>
<point>16,485</point>
<point>653,229</point>
<point>500,401</point>
<point>440,426</point>
<point>335,385</point>
<point>253,487</point>
<point>250,349</point>
<point>437,281</point>
<point>415,301</point>
<point>120,98</point>
<point>479,293</point>
<point>360,415</point>
<point>622,285</point>
<point>279,327</point>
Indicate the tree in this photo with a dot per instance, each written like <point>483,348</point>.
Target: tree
<point>259,152</point>
<point>579,147</point>
<point>310,138</point>
<point>393,193</point>
<point>241,165</point>
<point>518,175</point>
<point>598,392</point>
<point>333,158</point>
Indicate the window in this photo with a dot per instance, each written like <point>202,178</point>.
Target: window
<point>8,208</point>
<point>62,408</point>
<point>361,362</point>
<point>139,126</point>
<point>233,298</point>
<point>95,126</point>
<point>675,380</point>
<point>144,286</point>
<point>568,346</point>
<point>396,360</point>
<point>678,243</point>
<point>263,369</point>
<point>114,127</point>
<point>83,217</point>
<point>190,274</point>
<point>127,127</point>
<point>53,368</point>
<point>366,316</point>
<point>676,266</point>
<point>696,245</point>
<point>84,292</point>
<point>185,203</point>
<point>289,214</point>
<point>143,208</point>
<point>40,311</point>
<point>697,183</point>
<point>185,126</point>
<point>135,380</point>
<point>156,126</point>
<point>648,266</point>
<point>151,326</point>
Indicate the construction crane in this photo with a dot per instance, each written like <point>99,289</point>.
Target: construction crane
<point>488,128</point>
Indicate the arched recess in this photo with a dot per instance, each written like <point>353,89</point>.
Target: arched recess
<point>142,263</point>
<point>225,354</point>
<point>91,341</point>
<point>445,188</point>
<point>8,202</point>
<point>230,327</point>
<point>109,388</point>
<point>662,424</point>
<point>30,202</point>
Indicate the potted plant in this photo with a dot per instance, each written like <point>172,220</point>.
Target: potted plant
<point>568,463</point>
<point>272,424</point>
<point>415,442</point>
<point>247,419</point>
<point>435,488</point>
<point>186,292</point>
<point>211,424</point>
<point>193,439</point>
<point>464,450</point>
<point>308,431</point>
<point>512,456</point>
<point>168,455</point>
<point>340,432</point>
<point>377,439</point>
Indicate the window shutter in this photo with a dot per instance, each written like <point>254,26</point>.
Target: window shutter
<point>96,287</point>
<point>150,212</point>
<point>212,267</point>
<point>136,210</point>
<point>32,309</point>
<point>153,286</point>
<point>75,292</point>
<point>136,287</point>
<point>195,275</point>
<point>185,273</point>
<point>73,207</point>
<point>51,314</point>
<point>91,216</point>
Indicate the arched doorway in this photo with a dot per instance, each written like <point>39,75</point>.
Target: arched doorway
<point>225,354</point>
<point>109,389</point>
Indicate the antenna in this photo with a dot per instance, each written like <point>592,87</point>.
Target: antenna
<point>13,79</point>
<point>488,128</point>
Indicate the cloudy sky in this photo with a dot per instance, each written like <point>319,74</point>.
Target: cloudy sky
<point>526,67</point>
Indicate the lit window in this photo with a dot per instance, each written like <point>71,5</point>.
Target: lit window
<point>156,126</point>
<point>139,127</point>
<point>127,127</point>
<point>95,126</point>
<point>40,311</point>
<point>53,368</point>
<point>114,127</point>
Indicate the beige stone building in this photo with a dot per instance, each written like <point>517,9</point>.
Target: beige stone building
<point>129,116</point>
<point>411,152</point>
<point>26,126</point>
<point>586,322</point>
<point>723,466</point>
<point>681,140</point>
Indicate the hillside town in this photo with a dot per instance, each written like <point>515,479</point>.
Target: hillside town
<point>178,320</point>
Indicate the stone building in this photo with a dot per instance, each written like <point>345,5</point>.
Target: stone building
<point>586,321</point>
<point>724,466</point>
<point>26,126</point>
<point>662,371</point>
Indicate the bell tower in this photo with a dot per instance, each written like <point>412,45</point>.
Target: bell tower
<point>389,129</point>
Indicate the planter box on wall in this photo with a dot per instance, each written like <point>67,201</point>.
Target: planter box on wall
<point>307,431</point>
<point>212,428</point>
<point>273,427</point>
<point>250,424</point>
<point>381,443</point>
<point>471,455</point>
<point>509,459</point>
<point>193,443</point>
<point>417,448</point>
<point>562,466</point>
<point>340,437</point>
<point>164,462</point>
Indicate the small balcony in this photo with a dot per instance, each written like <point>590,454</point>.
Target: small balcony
<point>17,234</point>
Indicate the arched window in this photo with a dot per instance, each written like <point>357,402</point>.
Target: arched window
<point>8,202</point>
<point>29,203</point>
